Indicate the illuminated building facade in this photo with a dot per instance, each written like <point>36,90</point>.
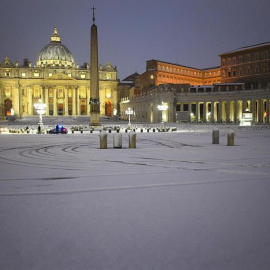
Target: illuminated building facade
<point>220,94</point>
<point>55,80</point>
<point>250,65</point>
<point>159,72</point>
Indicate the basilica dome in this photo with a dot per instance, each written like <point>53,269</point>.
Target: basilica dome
<point>55,54</point>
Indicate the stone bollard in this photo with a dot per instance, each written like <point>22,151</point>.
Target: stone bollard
<point>154,130</point>
<point>230,138</point>
<point>132,139</point>
<point>117,140</point>
<point>141,130</point>
<point>103,140</point>
<point>215,136</point>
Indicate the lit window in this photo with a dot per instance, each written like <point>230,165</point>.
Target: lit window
<point>152,77</point>
<point>108,76</point>
<point>50,74</point>
<point>69,74</point>
<point>36,74</point>
<point>82,76</point>
<point>23,74</point>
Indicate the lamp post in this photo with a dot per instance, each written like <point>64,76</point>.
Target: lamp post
<point>41,109</point>
<point>129,112</point>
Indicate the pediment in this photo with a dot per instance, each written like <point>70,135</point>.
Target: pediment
<point>60,76</point>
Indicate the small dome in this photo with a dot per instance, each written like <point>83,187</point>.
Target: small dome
<point>55,54</point>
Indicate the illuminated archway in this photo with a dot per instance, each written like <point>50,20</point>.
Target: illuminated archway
<point>108,108</point>
<point>8,107</point>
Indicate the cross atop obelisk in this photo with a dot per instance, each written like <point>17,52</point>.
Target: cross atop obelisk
<point>94,76</point>
<point>94,18</point>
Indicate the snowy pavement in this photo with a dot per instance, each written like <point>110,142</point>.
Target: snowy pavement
<point>175,202</point>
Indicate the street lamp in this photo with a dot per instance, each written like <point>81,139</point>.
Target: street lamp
<point>41,109</point>
<point>129,112</point>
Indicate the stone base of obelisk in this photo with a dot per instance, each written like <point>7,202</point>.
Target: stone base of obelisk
<point>94,119</point>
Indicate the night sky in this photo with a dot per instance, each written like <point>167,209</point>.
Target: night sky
<point>188,32</point>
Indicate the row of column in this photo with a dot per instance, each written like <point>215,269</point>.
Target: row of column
<point>76,103</point>
<point>229,111</point>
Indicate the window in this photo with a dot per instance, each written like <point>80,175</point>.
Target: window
<point>241,71</point>
<point>82,76</point>
<point>248,58</point>
<point>7,73</point>
<point>240,59</point>
<point>50,74</point>
<point>23,74</point>
<point>152,77</point>
<point>36,74</point>
<point>256,57</point>
<point>257,69</point>
<point>108,76</point>
<point>69,75</point>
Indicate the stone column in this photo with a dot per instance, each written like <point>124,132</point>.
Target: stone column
<point>181,106</point>
<point>78,102</point>
<point>66,100</point>
<point>219,111</point>
<point>204,112</point>
<point>197,111</point>
<point>212,111</point>
<point>30,98</point>
<point>47,99</point>
<point>42,94</point>
<point>260,111</point>
<point>73,101</point>
<point>267,111</point>
<point>244,106</point>
<point>2,105</point>
<point>54,102</point>
<point>189,110</point>
<point>16,95</point>
<point>228,118</point>
<point>172,112</point>
<point>235,111</point>
<point>87,101</point>
<point>252,109</point>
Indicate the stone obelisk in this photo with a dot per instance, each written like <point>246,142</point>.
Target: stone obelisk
<point>94,77</point>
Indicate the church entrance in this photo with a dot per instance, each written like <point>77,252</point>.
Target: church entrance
<point>108,108</point>
<point>60,109</point>
<point>8,107</point>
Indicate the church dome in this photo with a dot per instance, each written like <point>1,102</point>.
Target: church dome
<point>55,54</point>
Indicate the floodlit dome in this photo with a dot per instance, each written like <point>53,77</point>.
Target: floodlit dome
<point>55,54</point>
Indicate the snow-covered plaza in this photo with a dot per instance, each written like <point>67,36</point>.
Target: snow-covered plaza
<point>175,202</point>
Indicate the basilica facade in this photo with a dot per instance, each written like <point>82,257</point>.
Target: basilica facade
<point>55,80</point>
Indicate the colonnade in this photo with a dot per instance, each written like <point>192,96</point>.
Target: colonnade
<point>70,102</point>
<point>226,111</point>
<point>212,107</point>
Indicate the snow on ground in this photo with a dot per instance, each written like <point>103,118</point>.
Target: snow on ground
<point>175,202</point>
